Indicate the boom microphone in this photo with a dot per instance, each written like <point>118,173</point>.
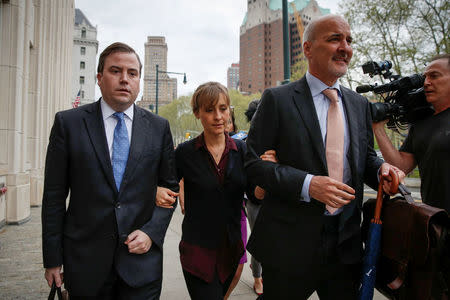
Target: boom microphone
<point>364,88</point>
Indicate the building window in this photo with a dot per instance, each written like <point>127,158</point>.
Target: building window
<point>81,79</point>
<point>83,50</point>
<point>83,32</point>
<point>82,94</point>
<point>82,65</point>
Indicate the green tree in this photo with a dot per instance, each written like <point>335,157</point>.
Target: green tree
<point>407,32</point>
<point>298,70</point>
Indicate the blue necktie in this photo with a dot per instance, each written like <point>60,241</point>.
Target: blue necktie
<point>121,148</point>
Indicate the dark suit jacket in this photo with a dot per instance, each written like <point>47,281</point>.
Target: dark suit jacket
<point>287,232</point>
<point>213,210</point>
<point>88,238</point>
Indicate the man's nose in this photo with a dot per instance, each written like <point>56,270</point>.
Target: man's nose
<point>124,77</point>
<point>345,46</point>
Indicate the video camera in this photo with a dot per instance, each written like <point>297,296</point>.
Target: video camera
<point>404,98</point>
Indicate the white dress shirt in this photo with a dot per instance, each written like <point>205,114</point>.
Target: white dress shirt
<point>110,122</point>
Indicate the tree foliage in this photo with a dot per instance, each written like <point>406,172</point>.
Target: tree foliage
<point>299,69</point>
<point>182,120</point>
<point>406,32</point>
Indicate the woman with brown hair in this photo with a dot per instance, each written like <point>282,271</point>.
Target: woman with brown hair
<point>212,166</point>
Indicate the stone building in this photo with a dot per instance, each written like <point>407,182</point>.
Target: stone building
<point>85,48</point>
<point>156,54</point>
<point>36,39</point>
<point>261,41</point>
<point>233,77</point>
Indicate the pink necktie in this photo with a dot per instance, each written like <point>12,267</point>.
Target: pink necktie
<point>334,140</point>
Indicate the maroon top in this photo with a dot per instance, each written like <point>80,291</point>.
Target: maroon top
<point>200,261</point>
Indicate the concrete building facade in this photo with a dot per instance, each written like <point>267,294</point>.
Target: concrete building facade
<point>84,53</point>
<point>261,41</point>
<point>233,77</point>
<point>36,39</point>
<point>156,54</point>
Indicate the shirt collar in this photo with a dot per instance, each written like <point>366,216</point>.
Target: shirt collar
<point>229,143</point>
<point>107,111</point>
<point>316,86</point>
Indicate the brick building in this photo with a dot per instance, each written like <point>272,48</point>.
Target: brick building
<point>261,41</point>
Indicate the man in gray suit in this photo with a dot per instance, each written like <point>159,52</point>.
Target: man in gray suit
<point>110,155</point>
<point>307,235</point>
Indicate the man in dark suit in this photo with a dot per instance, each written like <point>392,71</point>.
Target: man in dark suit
<point>111,156</point>
<point>307,234</point>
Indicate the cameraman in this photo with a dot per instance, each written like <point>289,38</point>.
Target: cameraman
<point>428,141</point>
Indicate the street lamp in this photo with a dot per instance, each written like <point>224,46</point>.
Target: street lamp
<point>157,80</point>
<point>287,65</point>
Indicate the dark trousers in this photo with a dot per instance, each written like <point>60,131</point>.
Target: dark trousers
<point>201,290</point>
<point>115,288</point>
<point>331,279</point>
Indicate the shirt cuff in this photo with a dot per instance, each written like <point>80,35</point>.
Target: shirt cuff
<point>305,188</point>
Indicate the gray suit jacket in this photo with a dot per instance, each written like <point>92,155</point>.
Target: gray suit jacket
<point>287,231</point>
<point>88,238</point>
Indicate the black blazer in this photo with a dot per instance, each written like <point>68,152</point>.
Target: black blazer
<point>287,231</point>
<point>212,210</point>
<point>88,238</point>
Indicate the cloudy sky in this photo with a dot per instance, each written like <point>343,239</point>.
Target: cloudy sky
<point>202,35</point>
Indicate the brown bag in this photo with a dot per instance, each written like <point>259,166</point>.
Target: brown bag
<point>413,259</point>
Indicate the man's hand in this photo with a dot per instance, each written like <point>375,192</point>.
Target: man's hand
<point>165,197</point>
<point>379,125</point>
<point>269,155</point>
<point>54,274</point>
<point>330,192</point>
<point>260,193</point>
<point>138,242</point>
<point>385,172</point>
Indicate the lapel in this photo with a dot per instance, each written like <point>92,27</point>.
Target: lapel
<point>93,120</point>
<point>139,138</point>
<point>232,157</point>
<point>352,117</point>
<point>305,105</point>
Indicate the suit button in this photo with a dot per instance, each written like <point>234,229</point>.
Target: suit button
<point>118,205</point>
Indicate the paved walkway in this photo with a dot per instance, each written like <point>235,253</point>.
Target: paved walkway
<point>21,271</point>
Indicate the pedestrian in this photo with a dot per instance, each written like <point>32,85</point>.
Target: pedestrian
<point>212,168</point>
<point>109,156</point>
<point>307,235</point>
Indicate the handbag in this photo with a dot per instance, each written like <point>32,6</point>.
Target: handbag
<point>413,262</point>
<point>62,295</point>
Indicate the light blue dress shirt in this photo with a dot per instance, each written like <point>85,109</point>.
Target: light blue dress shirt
<point>322,103</point>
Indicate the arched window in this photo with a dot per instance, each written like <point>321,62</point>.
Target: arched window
<point>83,32</point>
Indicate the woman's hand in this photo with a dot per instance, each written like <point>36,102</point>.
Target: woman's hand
<point>269,155</point>
<point>165,197</point>
<point>182,195</point>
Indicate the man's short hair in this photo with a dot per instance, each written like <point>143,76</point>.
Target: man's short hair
<point>251,110</point>
<point>207,95</point>
<point>442,56</point>
<point>113,48</point>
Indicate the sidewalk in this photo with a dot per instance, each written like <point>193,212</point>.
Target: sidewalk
<point>22,274</point>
